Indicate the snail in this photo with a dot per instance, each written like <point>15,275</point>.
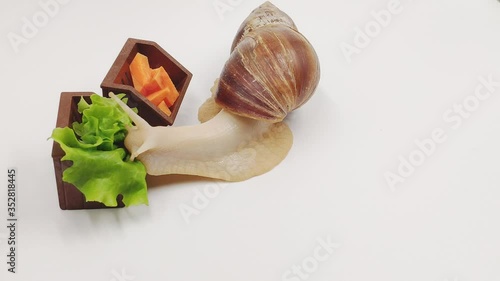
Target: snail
<point>271,71</point>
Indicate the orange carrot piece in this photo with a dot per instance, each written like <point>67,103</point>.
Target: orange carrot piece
<point>157,97</point>
<point>153,84</point>
<point>140,71</point>
<point>166,83</point>
<point>163,107</point>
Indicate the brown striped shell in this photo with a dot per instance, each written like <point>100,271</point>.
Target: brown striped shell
<point>272,69</point>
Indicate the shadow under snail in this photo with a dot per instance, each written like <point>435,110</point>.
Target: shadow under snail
<point>272,70</point>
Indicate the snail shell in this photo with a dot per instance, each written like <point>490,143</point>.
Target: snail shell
<point>272,69</point>
<point>263,15</point>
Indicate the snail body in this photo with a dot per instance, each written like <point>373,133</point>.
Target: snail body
<point>271,71</point>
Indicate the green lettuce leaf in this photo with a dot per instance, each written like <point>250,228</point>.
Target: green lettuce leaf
<point>101,168</point>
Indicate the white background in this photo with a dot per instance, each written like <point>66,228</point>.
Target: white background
<point>441,223</point>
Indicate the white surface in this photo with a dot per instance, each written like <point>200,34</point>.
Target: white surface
<point>442,223</point>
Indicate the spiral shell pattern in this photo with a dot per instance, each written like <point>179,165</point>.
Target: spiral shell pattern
<point>272,69</point>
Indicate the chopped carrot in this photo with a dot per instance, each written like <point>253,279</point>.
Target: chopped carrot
<point>154,84</point>
<point>163,107</point>
<point>157,97</point>
<point>166,83</point>
<point>140,71</point>
<point>171,97</point>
